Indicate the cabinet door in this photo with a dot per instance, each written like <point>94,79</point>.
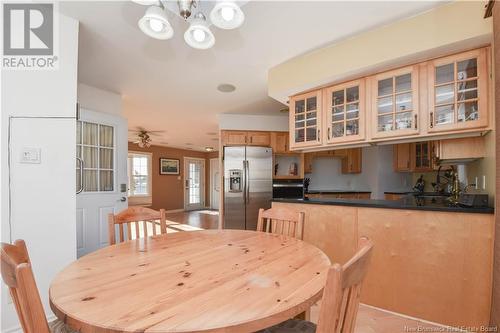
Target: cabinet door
<point>262,139</point>
<point>395,103</point>
<point>345,112</point>
<point>422,156</point>
<point>234,138</point>
<point>458,97</point>
<point>402,157</point>
<point>279,142</point>
<point>352,162</point>
<point>305,120</point>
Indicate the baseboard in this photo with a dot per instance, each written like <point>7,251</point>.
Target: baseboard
<point>18,328</point>
<point>175,210</point>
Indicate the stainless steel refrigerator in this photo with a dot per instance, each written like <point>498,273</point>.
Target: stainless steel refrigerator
<point>248,181</point>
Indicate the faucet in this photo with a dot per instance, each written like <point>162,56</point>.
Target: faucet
<point>455,189</point>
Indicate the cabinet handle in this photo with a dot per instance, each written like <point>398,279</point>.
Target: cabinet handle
<point>328,133</point>
<point>416,118</point>
<point>432,119</point>
<point>251,139</point>
<point>317,138</point>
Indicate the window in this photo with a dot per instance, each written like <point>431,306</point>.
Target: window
<point>139,174</point>
<point>95,148</point>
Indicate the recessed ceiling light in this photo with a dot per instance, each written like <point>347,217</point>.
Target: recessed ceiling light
<point>209,149</point>
<point>226,87</point>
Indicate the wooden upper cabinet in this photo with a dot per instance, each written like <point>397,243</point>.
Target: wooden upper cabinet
<point>279,142</point>
<point>242,138</point>
<point>259,139</point>
<point>395,103</point>
<point>458,91</point>
<point>305,120</point>
<point>402,157</point>
<point>234,138</point>
<point>352,162</point>
<point>345,112</point>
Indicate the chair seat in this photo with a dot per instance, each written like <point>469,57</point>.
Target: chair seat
<point>291,326</point>
<point>58,326</point>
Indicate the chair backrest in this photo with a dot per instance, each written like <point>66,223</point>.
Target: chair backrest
<point>281,221</point>
<point>18,276</point>
<point>138,221</point>
<point>340,303</point>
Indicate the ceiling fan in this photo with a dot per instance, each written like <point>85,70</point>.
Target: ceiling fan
<point>144,136</point>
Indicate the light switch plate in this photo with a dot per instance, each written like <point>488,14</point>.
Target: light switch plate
<point>31,155</point>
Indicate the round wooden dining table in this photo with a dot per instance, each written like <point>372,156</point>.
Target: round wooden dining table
<point>200,281</point>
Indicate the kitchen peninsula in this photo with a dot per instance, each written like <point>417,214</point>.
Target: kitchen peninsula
<point>432,261</point>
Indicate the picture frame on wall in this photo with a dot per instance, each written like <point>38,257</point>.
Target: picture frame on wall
<point>169,166</point>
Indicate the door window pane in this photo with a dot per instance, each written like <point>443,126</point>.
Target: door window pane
<point>106,158</point>
<point>467,69</point>
<point>385,87</point>
<point>338,113</point>
<point>90,180</point>
<point>445,94</point>
<point>467,90</point>
<point>352,127</point>
<point>445,114</point>
<point>90,133</point>
<point>352,94</point>
<point>467,111</point>
<point>385,123</point>
<point>338,130</point>
<point>403,83</point>
<point>404,120</point>
<point>300,106</point>
<point>106,136</point>
<point>338,97</point>
<point>385,105</point>
<point>311,103</point>
<point>445,73</point>
<point>403,102</point>
<point>311,134</point>
<point>106,180</point>
<point>89,155</point>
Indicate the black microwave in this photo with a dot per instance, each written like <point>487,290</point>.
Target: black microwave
<point>288,189</point>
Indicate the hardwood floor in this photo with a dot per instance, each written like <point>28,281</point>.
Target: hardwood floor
<point>205,219</point>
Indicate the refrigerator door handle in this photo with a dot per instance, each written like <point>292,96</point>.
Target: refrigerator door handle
<point>247,182</point>
<point>244,180</point>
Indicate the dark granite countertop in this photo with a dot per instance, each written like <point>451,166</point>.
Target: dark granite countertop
<point>336,191</point>
<point>408,202</point>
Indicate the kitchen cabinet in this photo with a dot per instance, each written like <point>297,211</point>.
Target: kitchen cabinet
<point>423,159</point>
<point>308,160</point>
<point>413,157</point>
<point>234,138</point>
<point>242,138</point>
<point>395,109</point>
<point>262,139</point>
<point>305,120</point>
<point>402,157</point>
<point>345,112</point>
<point>351,163</point>
<point>279,142</point>
<point>458,91</point>
<point>460,149</point>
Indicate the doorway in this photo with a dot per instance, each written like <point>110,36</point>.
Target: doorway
<point>214,183</point>
<point>194,178</point>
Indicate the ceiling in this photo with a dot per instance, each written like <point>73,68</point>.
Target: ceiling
<point>166,85</point>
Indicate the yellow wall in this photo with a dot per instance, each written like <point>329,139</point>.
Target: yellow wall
<point>448,28</point>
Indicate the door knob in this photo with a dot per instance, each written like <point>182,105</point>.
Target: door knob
<point>123,199</point>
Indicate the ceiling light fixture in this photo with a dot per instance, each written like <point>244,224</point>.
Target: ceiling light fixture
<point>227,15</point>
<point>198,35</point>
<point>155,24</point>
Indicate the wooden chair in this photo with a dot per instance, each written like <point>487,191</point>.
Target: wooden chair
<point>340,303</point>
<point>139,221</point>
<point>18,276</point>
<point>281,221</point>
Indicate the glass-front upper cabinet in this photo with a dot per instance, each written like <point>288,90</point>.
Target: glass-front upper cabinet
<point>345,112</point>
<point>395,103</point>
<point>305,120</point>
<point>458,93</point>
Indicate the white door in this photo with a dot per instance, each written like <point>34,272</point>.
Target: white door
<point>101,177</point>
<point>194,180</point>
<point>214,183</point>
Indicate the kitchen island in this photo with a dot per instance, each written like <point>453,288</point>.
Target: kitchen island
<point>430,261</point>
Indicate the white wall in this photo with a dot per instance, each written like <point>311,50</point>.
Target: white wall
<point>377,174</point>
<point>42,195</point>
<point>95,99</point>
<point>247,122</point>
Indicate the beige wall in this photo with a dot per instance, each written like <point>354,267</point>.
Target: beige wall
<point>168,190</point>
<point>448,28</point>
